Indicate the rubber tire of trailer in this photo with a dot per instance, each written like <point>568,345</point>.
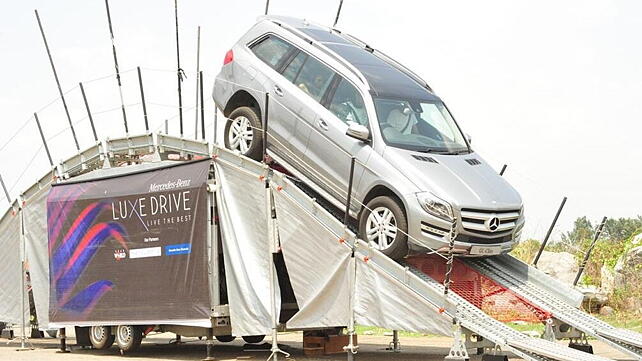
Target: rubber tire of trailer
<point>255,150</point>
<point>254,339</point>
<point>105,340</point>
<point>225,338</point>
<point>133,339</point>
<point>399,247</point>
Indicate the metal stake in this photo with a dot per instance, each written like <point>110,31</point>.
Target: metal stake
<point>346,217</point>
<point>44,141</point>
<point>120,86</point>
<point>501,172</point>
<point>336,20</point>
<point>62,95</point>
<point>4,187</point>
<point>198,76</point>
<point>265,125</point>
<point>166,126</point>
<point>142,97</point>
<point>179,71</point>
<point>91,119</point>
<point>267,6</point>
<point>587,256</point>
<point>548,234</point>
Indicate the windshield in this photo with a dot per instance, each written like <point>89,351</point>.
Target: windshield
<point>419,125</point>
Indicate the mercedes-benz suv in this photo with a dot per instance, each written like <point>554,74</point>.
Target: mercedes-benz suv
<point>417,181</point>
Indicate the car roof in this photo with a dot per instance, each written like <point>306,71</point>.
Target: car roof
<point>385,80</point>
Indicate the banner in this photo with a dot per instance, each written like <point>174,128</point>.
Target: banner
<point>130,248</point>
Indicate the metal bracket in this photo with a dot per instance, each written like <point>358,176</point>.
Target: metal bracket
<point>458,351</point>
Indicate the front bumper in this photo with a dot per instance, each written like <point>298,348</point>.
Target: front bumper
<point>428,233</point>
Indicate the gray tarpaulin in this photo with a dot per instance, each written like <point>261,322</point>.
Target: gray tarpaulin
<point>243,219</point>
<point>320,267</point>
<point>321,270</point>
<point>35,216</point>
<point>384,302</point>
<point>10,266</point>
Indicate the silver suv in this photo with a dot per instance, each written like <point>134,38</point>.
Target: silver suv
<point>333,97</point>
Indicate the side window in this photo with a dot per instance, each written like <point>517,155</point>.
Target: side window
<point>294,68</point>
<point>314,78</point>
<point>271,50</point>
<point>347,104</point>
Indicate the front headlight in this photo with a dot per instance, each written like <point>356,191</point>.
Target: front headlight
<point>435,206</point>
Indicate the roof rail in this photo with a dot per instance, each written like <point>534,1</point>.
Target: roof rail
<point>321,47</point>
<point>381,55</point>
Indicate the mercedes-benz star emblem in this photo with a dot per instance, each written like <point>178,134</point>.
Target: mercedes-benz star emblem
<point>492,224</point>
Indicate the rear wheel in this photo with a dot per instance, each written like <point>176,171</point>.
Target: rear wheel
<point>128,338</point>
<point>101,337</point>
<point>383,224</point>
<point>254,339</point>
<point>225,338</point>
<point>243,133</point>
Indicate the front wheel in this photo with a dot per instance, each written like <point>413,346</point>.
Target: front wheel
<point>243,133</point>
<point>100,337</point>
<point>128,338</point>
<point>383,224</point>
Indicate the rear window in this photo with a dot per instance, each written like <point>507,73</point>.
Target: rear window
<point>271,50</point>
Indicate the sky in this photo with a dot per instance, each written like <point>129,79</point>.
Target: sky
<point>552,91</point>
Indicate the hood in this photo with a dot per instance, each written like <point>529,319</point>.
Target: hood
<point>464,180</point>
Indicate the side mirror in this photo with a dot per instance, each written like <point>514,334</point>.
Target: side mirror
<point>469,139</point>
<point>358,131</point>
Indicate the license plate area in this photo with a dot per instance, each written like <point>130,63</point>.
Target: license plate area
<point>485,250</point>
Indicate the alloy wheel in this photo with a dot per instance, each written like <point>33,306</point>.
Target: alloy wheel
<point>381,227</point>
<point>240,134</point>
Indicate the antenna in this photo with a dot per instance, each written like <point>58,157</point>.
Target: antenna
<point>198,75</point>
<point>120,86</point>
<point>53,67</point>
<point>179,72</point>
<point>267,6</point>
<point>336,20</point>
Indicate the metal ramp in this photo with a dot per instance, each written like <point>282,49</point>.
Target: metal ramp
<point>508,339</point>
<point>505,271</point>
<point>454,306</point>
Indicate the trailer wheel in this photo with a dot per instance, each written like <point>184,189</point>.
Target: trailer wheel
<point>225,338</point>
<point>243,133</point>
<point>128,338</point>
<point>383,224</point>
<point>52,333</point>
<point>253,339</point>
<point>101,337</point>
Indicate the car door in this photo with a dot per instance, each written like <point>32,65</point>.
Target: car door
<point>275,53</point>
<point>305,81</point>
<point>330,149</point>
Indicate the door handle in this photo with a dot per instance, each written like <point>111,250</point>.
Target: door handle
<point>322,124</point>
<point>278,91</point>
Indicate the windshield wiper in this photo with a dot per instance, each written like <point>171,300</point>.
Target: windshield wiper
<point>444,152</point>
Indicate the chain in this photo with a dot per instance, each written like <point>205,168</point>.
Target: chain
<point>451,256</point>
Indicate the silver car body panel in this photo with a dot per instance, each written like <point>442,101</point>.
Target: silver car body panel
<point>311,142</point>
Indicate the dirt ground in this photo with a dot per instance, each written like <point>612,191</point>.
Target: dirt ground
<point>158,347</point>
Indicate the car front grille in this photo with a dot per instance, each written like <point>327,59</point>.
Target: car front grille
<point>489,223</point>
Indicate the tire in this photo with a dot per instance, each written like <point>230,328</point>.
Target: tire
<point>101,337</point>
<point>254,339</point>
<point>244,120</point>
<point>128,338</point>
<point>225,338</point>
<point>396,225</point>
<point>52,333</point>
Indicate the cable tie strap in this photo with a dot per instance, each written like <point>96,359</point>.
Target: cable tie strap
<point>181,74</point>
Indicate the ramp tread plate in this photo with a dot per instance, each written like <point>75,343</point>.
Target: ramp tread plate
<point>627,341</point>
<point>524,346</point>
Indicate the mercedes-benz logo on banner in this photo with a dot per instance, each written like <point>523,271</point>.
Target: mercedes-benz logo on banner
<point>492,224</point>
